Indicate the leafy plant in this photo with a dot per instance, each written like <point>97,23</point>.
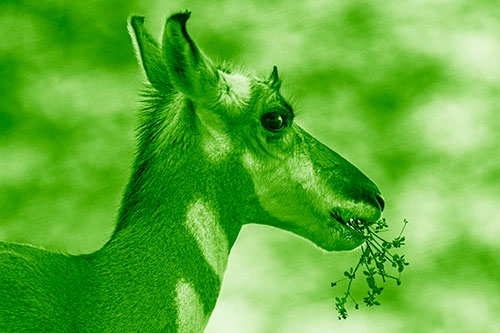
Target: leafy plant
<point>375,255</point>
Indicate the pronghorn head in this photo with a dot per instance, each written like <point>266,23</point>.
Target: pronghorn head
<point>300,184</point>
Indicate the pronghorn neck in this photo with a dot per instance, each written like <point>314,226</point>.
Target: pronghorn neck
<point>178,222</point>
<point>172,172</point>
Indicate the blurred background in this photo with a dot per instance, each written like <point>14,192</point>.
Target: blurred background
<point>408,91</point>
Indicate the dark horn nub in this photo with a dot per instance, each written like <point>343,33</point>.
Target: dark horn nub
<point>274,80</point>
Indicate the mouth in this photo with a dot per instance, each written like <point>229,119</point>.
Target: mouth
<point>353,224</point>
<point>351,230</point>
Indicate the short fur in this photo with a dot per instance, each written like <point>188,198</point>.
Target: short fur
<point>155,273</point>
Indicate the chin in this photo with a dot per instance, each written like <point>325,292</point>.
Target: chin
<point>336,237</point>
<point>341,246</point>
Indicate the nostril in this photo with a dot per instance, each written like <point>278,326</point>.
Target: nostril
<point>380,200</point>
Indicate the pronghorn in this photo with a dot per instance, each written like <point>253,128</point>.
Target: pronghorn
<point>217,149</point>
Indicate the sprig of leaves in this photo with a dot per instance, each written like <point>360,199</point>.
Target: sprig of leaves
<point>375,255</point>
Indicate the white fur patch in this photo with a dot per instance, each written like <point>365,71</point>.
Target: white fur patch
<point>217,147</point>
<point>202,222</point>
<point>302,171</point>
<point>216,143</point>
<point>236,90</point>
<point>190,314</point>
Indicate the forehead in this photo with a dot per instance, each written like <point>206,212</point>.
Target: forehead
<point>266,99</point>
<point>237,115</point>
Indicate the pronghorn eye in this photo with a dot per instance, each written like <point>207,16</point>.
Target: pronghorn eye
<point>273,121</point>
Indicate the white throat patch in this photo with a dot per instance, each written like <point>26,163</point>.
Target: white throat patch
<point>190,314</point>
<point>202,222</point>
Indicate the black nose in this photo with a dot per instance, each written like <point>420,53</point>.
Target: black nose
<point>380,200</point>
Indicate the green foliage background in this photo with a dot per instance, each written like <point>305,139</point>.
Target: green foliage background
<point>406,90</point>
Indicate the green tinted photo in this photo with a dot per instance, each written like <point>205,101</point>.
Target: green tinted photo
<point>249,167</point>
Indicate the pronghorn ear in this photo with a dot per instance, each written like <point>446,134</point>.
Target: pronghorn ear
<point>190,71</point>
<point>149,54</point>
<point>274,80</point>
